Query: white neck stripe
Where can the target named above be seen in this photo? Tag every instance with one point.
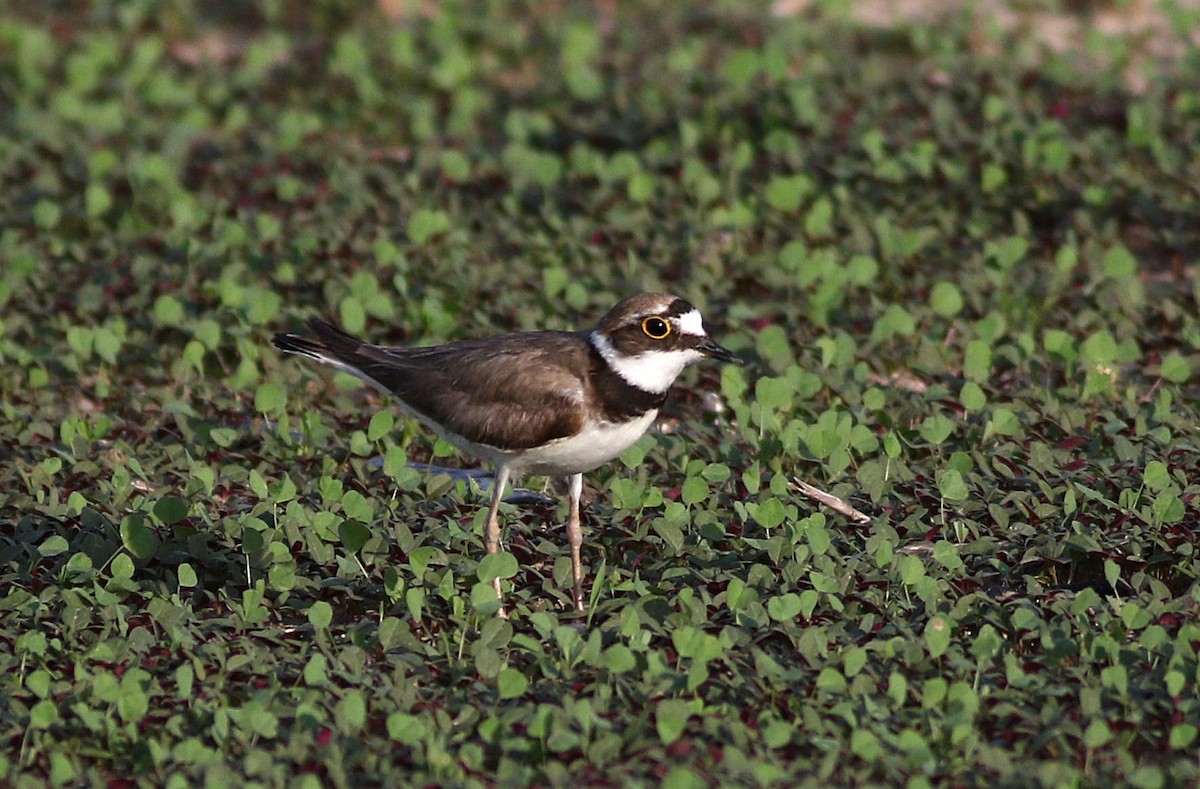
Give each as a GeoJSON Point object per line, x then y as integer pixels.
{"type": "Point", "coordinates": [650, 371]}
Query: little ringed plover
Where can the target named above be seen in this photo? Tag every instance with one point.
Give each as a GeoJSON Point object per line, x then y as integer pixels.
{"type": "Point", "coordinates": [549, 403]}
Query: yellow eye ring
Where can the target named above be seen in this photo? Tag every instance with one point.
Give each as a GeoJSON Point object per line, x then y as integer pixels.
{"type": "Point", "coordinates": [656, 328]}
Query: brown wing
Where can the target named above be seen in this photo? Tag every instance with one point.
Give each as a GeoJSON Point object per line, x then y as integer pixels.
{"type": "Point", "coordinates": [514, 391]}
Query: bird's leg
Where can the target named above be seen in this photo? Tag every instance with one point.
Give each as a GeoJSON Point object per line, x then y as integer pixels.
{"type": "Point", "coordinates": [491, 529]}
{"type": "Point", "coordinates": [575, 538]}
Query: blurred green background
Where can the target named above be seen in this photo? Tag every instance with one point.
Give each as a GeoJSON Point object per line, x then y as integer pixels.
{"type": "Point", "coordinates": [958, 245]}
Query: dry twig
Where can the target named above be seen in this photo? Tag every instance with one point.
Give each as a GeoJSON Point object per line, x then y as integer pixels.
{"type": "Point", "coordinates": [829, 500]}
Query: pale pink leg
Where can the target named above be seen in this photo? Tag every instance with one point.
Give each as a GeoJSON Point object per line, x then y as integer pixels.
{"type": "Point", "coordinates": [575, 538]}
{"type": "Point", "coordinates": [491, 529]}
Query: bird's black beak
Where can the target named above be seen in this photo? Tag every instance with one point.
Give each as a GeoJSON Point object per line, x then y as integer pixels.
{"type": "Point", "coordinates": [718, 352]}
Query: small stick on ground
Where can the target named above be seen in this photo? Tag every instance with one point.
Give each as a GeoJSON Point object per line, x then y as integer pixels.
{"type": "Point", "coordinates": [829, 500]}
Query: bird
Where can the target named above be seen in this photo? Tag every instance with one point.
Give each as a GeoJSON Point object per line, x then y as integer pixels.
{"type": "Point", "coordinates": [546, 403]}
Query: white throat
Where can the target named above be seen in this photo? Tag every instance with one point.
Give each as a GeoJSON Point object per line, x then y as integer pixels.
{"type": "Point", "coordinates": [650, 371]}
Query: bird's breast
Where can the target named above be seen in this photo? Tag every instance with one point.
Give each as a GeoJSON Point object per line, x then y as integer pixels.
{"type": "Point", "coordinates": [597, 443]}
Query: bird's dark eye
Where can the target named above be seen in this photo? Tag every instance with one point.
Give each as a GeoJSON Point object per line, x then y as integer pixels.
{"type": "Point", "coordinates": [656, 328]}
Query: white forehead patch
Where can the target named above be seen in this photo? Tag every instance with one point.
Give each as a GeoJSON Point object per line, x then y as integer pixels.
{"type": "Point", "coordinates": [690, 322]}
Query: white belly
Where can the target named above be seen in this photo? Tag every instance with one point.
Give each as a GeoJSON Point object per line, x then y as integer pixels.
{"type": "Point", "coordinates": [596, 444]}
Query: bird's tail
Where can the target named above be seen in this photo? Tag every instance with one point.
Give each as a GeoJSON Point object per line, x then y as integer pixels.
{"type": "Point", "coordinates": [329, 345]}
